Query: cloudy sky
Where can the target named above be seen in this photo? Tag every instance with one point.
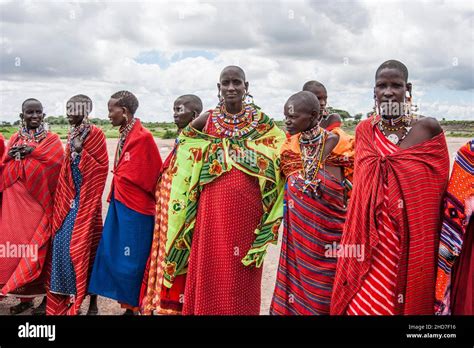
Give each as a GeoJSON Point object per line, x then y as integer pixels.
{"type": "Point", "coordinates": [159, 50]}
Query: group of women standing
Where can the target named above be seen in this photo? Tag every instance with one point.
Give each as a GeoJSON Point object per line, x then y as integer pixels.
{"type": "Point", "coordinates": [189, 235]}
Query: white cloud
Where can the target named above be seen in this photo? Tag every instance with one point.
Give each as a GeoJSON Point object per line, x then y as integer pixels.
{"type": "Point", "coordinates": [91, 48]}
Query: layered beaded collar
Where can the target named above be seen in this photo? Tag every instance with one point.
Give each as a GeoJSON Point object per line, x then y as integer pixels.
{"type": "Point", "coordinates": [311, 136]}
{"type": "Point", "coordinates": [236, 125]}
{"type": "Point", "coordinates": [33, 135]}
{"type": "Point", "coordinates": [74, 131]}
{"type": "Point", "coordinates": [124, 130]}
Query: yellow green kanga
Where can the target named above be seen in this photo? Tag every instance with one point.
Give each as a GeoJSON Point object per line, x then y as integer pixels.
{"type": "Point", "coordinates": [200, 159]}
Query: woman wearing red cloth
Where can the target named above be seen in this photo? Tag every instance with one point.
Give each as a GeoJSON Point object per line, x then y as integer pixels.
{"type": "Point", "coordinates": [77, 218]}
{"type": "Point", "coordinates": [128, 230]}
{"type": "Point", "coordinates": [400, 175]}
{"type": "Point", "coordinates": [30, 175]}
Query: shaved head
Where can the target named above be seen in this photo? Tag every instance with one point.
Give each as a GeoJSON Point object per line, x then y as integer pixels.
{"type": "Point", "coordinates": [235, 68]}
{"type": "Point", "coordinates": [393, 64]}
{"type": "Point", "coordinates": [304, 101]}
{"type": "Point", "coordinates": [79, 104]}
{"type": "Point", "coordinates": [29, 100]}
{"type": "Point", "coordinates": [313, 85]}
{"type": "Point", "coordinates": [193, 102]}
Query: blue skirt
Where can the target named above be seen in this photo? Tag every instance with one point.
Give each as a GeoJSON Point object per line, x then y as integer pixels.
{"type": "Point", "coordinates": [122, 254]}
{"type": "Point", "coordinates": [63, 276]}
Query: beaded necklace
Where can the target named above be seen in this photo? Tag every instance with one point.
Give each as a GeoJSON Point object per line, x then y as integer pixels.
{"type": "Point", "coordinates": [312, 144]}
{"type": "Point", "coordinates": [124, 131]}
{"type": "Point", "coordinates": [32, 135]}
{"type": "Point", "coordinates": [235, 125]}
{"type": "Point", "coordinates": [81, 131]}
{"type": "Point", "coordinates": [392, 121]}
{"type": "Point", "coordinates": [325, 114]}
{"type": "Point", "coordinates": [393, 138]}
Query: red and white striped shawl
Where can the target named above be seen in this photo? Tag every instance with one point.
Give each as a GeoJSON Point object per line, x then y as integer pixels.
{"type": "Point", "coordinates": [87, 230]}
{"type": "Point", "coordinates": [416, 178]}
{"type": "Point", "coordinates": [39, 171]}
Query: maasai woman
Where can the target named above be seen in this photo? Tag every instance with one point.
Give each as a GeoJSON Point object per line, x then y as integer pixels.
{"type": "Point", "coordinates": [156, 296]}
{"type": "Point", "coordinates": [128, 229]}
{"type": "Point", "coordinates": [225, 203]}
{"type": "Point", "coordinates": [455, 281]}
{"type": "Point", "coordinates": [329, 121]}
{"type": "Point", "coordinates": [77, 218]}
{"type": "Point", "coordinates": [30, 176]}
{"type": "Point", "coordinates": [313, 161]}
{"type": "Point", "coordinates": [400, 174]}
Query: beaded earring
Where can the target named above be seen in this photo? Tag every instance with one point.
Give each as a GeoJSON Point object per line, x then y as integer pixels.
{"type": "Point", "coordinates": [409, 109]}
{"type": "Point", "coordinates": [22, 124]}
{"type": "Point", "coordinates": [248, 99]}
{"type": "Point", "coordinates": [376, 110]}
{"type": "Point", "coordinates": [220, 98]}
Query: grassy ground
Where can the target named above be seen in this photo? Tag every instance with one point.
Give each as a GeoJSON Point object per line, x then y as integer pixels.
{"type": "Point", "coordinates": [110, 132]}
{"type": "Point", "coordinates": [463, 129]}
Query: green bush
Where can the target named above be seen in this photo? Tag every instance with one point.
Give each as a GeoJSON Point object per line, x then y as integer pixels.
{"type": "Point", "coordinates": [169, 134]}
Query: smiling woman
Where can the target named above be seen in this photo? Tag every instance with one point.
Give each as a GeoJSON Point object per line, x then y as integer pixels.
{"type": "Point", "coordinates": [29, 179]}
{"type": "Point", "coordinates": [402, 168]}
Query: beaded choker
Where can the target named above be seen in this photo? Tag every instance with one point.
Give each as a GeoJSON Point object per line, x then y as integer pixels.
{"type": "Point", "coordinates": [236, 125]}
{"type": "Point", "coordinates": [392, 121]}
{"type": "Point", "coordinates": [30, 135]}
{"type": "Point", "coordinates": [311, 136]}
{"type": "Point", "coordinates": [124, 132]}
{"type": "Point", "coordinates": [74, 131]}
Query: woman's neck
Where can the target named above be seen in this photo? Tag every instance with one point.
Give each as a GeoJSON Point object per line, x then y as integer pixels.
{"type": "Point", "coordinates": [233, 108]}
{"type": "Point", "coordinates": [392, 120]}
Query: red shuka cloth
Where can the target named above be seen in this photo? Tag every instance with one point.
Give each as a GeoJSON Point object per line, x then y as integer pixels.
{"type": "Point", "coordinates": [376, 295]}
{"type": "Point", "coordinates": [39, 172]}
{"type": "Point", "coordinates": [88, 224]}
{"type": "Point", "coordinates": [416, 178]}
{"type": "Point", "coordinates": [134, 182]}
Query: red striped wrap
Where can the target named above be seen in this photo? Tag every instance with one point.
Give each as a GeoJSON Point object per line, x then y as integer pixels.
{"type": "Point", "coordinates": [416, 178]}
{"type": "Point", "coordinates": [39, 171]}
{"type": "Point", "coordinates": [87, 230]}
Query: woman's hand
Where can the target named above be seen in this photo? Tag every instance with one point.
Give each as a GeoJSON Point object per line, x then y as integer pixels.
{"type": "Point", "coordinates": [20, 152]}
{"type": "Point", "coordinates": [77, 144]}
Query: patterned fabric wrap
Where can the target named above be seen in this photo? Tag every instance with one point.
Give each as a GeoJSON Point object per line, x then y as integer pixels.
{"type": "Point", "coordinates": [200, 159]}
{"type": "Point", "coordinates": [455, 221]}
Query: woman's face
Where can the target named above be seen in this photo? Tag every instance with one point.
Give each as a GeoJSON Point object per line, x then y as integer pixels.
{"type": "Point", "coordinates": [182, 115]}
{"type": "Point", "coordinates": [32, 114]}
{"type": "Point", "coordinates": [322, 95]}
{"type": "Point", "coordinates": [232, 86]}
{"type": "Point", "coordinates": [116, 113]}
{"type": "Point", "coordinates": [76, 111]}
{"type": "Point", "coordinates": [298, 120]}
{"type": "Point", "coordinates": [390, 89]}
